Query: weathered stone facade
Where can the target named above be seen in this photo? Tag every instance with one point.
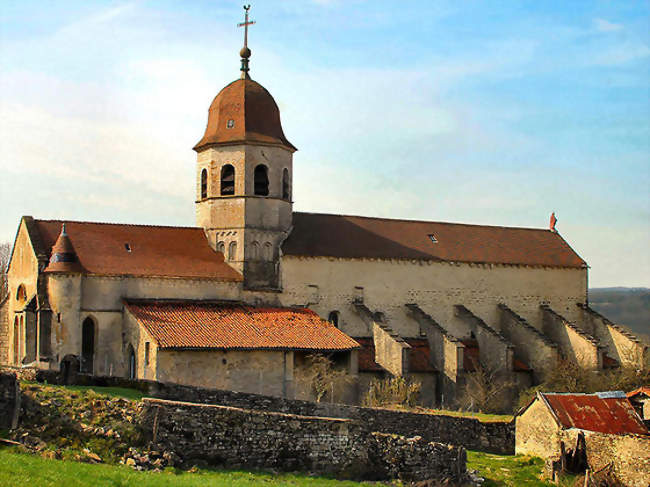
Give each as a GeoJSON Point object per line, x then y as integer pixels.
{"type": "Point", "coordinates": [627, 455]}
{"type": "Point", "coordinates": [514, 308]}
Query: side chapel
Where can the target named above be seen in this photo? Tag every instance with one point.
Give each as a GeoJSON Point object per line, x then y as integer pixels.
{"type": "Point", "coordinates": [241, 299]}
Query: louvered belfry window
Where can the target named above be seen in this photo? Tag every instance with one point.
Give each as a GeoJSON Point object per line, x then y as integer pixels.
{"type": "Point", "coordinates": [204, 183]}
{"type": "Point", "coordinates": [261, 180]}
{"type": "Point", "coordinates": [285, 185]}
{"type": "Point", "coordinates": [227, 180]}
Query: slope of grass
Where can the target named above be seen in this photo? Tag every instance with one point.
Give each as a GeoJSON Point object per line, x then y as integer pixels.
{"type": "Point", "coordinates": [24, 469]}
{"type": "Point", "coordinates": [510, 471]}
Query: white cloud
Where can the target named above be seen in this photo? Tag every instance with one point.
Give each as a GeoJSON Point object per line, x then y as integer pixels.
{"type": "Point", "coordinates": [603, 25]}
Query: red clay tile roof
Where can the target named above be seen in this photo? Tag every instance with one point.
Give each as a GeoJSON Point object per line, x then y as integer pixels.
{"type": "Point", "coordinates": [361, 237]}
{"type": "Point", "coordinates": [154, 251]}
{"type": "Point", "coordinates": [210, 325]}
{"type": "Point", "coordinates": [419, 358]}
{"type": "Point", "coordinates": [596, 412]}
{"type": "Point", "coordinates": [641, 390]}
{"type": "Point", "coordinates": [244, 111]}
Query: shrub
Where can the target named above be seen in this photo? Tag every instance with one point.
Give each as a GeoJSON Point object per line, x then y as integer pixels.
{"type": "Point", "coordinates": [392, 391]}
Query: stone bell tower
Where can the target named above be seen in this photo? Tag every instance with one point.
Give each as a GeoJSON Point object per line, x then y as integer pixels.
{"type": "Point", "coordinates": [244, 178]}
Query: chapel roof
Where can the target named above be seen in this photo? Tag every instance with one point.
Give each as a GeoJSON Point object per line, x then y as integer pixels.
{"type": "Point", "coordinates": [604, 412]}
{"type": "Point", "coordinates": [217, 325]}
{"type": "Point", "coordinates": [243, 112]}
{"type": "Point", "coordinates": [137, 250]}
{"type": "Point", "coordinates": [324, 235]}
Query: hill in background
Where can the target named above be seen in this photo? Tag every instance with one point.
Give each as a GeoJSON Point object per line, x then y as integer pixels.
{"type": "Point", "coordinates": [629, 307]}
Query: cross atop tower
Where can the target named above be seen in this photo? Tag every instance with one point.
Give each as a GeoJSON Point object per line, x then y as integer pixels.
{"type": "Point", "coordinates": [245, 52]}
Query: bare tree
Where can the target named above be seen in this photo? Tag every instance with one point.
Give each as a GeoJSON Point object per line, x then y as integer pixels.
{"type": "Point", "coordinates": [5, 253]}
{"type": "Point", "coordinates": [486, 390]}
{"type": "Point", "coordinates": [322, 376]}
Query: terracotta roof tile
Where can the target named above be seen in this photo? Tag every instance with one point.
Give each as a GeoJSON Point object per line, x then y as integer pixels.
{"type": "Point", "coordinates": [243, 112]}
{"type": "Point", "coordinates": [361, 237]}
{"type": "Point", "coordinates": [641, 390]}
{"type": "Point", "coordinates": [596, 412]}
{"type": "Point", "coordinates": [210, 325]}
{"type": "Point", "coordinates": [139, 250]}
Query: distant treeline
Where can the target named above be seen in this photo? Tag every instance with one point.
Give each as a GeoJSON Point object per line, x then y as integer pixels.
{"type": "Point", "coordinates": [624, 306]}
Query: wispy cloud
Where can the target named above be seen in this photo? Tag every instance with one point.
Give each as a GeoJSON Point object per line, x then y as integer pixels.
{"type": "Point", "coordinates": [603, 25]}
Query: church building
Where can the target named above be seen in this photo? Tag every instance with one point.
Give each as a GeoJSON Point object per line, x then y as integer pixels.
{"type": "Point", "coordinates": [240, 300]}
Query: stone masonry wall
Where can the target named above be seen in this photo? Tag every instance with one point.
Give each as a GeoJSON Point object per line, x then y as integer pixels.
{"type": "Point", "coordinates": [575, 344]}
{"type": "Point", "coordinates": [4, 330]}
{"type": "Point", "coordinates": [495, 437]}
{"type": "Point", "coordinates": [241, 438]}
{"type": "Point", "coordinates": [9, 400]}
{"type": "Point", "coordinates": [532, 346]}
{"type": "Point", "coordinates": [628, 455]}
{"type": "Point", "coordinates": [621, 345]}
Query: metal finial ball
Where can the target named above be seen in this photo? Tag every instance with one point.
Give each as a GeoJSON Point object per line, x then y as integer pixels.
{"type": "Point", "coordinates": [245, 52]}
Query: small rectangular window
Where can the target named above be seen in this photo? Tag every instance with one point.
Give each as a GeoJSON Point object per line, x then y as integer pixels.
{"type": "Point", "coordinates": [433, 238]}
{"type": "Point", "coordinates": [146, 353]}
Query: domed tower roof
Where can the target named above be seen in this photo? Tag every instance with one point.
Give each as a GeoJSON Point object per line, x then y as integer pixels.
{"type": "Point", "coordinates": [244, 112]}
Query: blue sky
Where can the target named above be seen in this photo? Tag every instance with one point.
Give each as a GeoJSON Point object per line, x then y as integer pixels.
{"type": "Point", "coordinates": [477, 112]}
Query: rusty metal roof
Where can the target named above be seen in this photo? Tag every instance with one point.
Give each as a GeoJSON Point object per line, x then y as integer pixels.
{"type": "Point", "coordinates": [602, 412]}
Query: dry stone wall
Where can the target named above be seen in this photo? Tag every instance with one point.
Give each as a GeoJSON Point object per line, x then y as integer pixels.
{"type": "Point", "coordinates": [9, 400]}
{"type": "Point", "coordinates": [241, 438]}
{"type": "Point", "coordinates": [470, 433]}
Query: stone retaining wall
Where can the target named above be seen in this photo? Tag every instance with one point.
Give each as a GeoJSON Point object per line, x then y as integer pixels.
{"type": "Point", "coordinates": [9, 400]}
{"type": "Point", "coordinates": [470, 433]}
{"type": "Point", "coordinates": [242, 438]}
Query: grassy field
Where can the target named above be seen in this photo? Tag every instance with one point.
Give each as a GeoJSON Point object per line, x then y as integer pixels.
{"type": "Point", "coordinates": [26, 469]}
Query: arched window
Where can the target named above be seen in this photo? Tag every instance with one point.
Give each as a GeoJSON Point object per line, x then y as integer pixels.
{"type": "Point", "coordinates": [232, 250]}
{"type": "Point", "coordinates": [261, 180]}
{"type": "Point", "coordinates": [255, 251]}
{"type": "Point", "coordinates": [87, 345]}
{"type": "Point", "coordinates": [204, 183]}
{"type": "Point", "coordinates": [16, 341]}
{"type": "Point", "coordinates": [130, 356]}
{"type": "Point", "coordinates": [286, 193]}
{"type": "Point", "coordinates": [221, 247]}
{"type": "Point", "coordinates": [334, 318]}
{"type": "Point", "coordinates": [227, 180]}
{"type": "Point", "coordinates": [21, 294]}
{"type": "Point", "coordinates": [268, 251]}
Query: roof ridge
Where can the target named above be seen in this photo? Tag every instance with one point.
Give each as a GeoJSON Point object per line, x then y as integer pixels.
{"type": "Point", "coordinates": [406, 220]}
{"type": "Point", "coordinates": [86, 222]}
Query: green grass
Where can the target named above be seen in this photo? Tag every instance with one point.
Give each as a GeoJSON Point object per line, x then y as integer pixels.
{"type": "Point", "coordinates": [25, 469]}
{"type": "Point", "coordinates": [123, 392]}
{"type": "Point", "coordinates": [510, 471]}
{"type": "Point", "coordinates": [485, 418]}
